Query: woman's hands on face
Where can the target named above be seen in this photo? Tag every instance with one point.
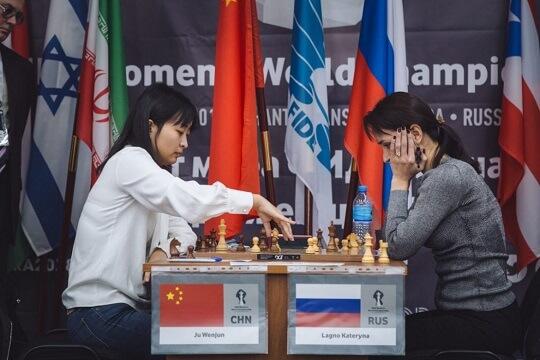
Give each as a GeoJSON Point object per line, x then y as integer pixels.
{"type": "Point", "coordinates": [268, 212]}
{"type": "Point", "coordinates": [406, 159]}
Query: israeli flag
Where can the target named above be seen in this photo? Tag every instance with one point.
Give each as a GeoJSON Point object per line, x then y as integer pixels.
{"type": "Point", "coordinates": [43, 203]}
{"type": "Point", "coordinates": [307, 139]}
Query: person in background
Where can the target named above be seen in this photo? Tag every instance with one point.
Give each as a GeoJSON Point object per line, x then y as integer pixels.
{"type": "Point", "coordinates": [456, 215]}
{"type": "Point", "coordinates": [132, 213]}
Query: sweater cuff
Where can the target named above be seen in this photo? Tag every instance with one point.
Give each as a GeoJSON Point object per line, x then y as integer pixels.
{"type": "Point", "coordinates": [239, 202]}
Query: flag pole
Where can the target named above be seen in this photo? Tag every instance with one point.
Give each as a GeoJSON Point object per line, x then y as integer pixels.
{"type": "Point", "coordinates": [261, 109]}
{"type": "Point", "coordinates": [265, 140]}
{"type": "Point", "coordinates": [308, 211]}
{"type": "Point", "coordinates": [64, 239]}
{"type": "Point", "coordinates": [353, 184]}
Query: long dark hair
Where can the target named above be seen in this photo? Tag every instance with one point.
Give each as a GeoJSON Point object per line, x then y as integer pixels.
{"type": "Point", "coordinates": [161, 104]}
{"type": "Point", "coordinates": [403, 109]}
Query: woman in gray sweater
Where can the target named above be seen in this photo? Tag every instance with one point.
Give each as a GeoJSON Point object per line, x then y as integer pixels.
{"type": "Point", "coordinates": [455, 214]}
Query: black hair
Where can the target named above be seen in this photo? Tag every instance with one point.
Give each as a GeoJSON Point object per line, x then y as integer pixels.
{"type": "Point", "coordinates": [402, 109]}
{"type": "Point", "coordinates": [161, 104]}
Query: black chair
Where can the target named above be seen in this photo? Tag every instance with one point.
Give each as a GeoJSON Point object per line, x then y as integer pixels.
{"type": "Point", "coordinates": [6, 334]}
{"type": "Point", "coordinates": [530, 320]}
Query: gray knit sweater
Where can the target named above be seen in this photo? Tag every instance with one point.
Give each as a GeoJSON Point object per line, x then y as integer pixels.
{"type": "Point", "coordinates": [456, 215]}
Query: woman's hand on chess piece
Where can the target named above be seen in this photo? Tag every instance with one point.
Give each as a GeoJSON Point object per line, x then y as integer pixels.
{"type": "Point", "coordinates": [268, 212]}
{"type": "Point", "coordinates": [157, 256]}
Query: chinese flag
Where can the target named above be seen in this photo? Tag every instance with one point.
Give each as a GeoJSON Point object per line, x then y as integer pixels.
{"type": "Point", "coordinates": [191, 305]}
{"type": "Point", "coordinates": [233, 143]}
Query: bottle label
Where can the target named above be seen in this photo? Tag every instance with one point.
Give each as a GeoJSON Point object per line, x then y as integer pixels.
{"type": "Point", "coordinates": [362, 213]}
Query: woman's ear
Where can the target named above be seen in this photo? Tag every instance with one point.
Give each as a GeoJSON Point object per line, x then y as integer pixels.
{"type": "Point", "coordinates": [417, 133]}
{"type": "Point", "coordinates": [151, 126]}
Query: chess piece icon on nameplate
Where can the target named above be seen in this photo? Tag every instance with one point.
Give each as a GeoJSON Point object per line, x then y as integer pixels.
{"type": "Point", "coordinates": [174, 248]}
{"type": "Point", "coordinates": [255, 246]}
{"type": "Point", "coordinates": [345, 247]}
{"type": "Point", "coordinates": [222, 244]}
{"type": "Point", "coordinates": [311, 245]}
{"type": "Point", "coordinates": [368, 255]}
{"type": "Point", "coordinates": [190, 252]}
{"type": "Point", "coordinates": [331, 238]}
{"type": "Point", "coordinates": [383, 252]}
{"type": "Point", "coordinates": [241, 247]}
{"type": "Point", "coordinates": [275, 244]}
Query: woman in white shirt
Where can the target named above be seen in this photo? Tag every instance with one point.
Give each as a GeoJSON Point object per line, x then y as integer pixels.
{"type": "Point", "coordinates": [132, 212]}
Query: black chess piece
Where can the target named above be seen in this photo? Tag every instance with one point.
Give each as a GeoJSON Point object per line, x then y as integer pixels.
{"type": "Point", "coordinates": [263, 243]}
{"type": "Point", "coordinates": [190, 254]}
{"type": "Point", "coordinates": [241, 247]}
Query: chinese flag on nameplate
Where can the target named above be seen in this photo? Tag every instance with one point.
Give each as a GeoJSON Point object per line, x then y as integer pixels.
{"type": "Point", "coordinates": [197, 305]}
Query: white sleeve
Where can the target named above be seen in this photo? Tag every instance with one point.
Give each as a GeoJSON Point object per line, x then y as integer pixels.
{"type": "Point", "coordinates": [158, 190]}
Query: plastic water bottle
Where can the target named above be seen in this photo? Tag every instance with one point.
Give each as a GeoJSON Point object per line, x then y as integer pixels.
{"type": "Point", "coordinates": [361, 213]}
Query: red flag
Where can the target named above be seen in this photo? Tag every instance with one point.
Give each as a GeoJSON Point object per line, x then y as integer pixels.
{"type": "Point", "coordinates": [19, 37]}
{"type": "Point", "coordinates": [191, 305]}
{"type": "Point", "coordinates": [519, 182]}
{"type": "Point", "coordinates": [233, 145]}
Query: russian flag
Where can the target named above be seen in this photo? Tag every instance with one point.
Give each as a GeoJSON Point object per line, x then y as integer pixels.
{"type": "Point", "coordinates": [334, 305]}
{"type": "Point", "coordinates": [379, 71]}
{"type": "Point", "coordinates": [519, 182]}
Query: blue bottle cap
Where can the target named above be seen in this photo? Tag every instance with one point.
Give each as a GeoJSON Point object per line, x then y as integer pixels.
{"type": "Point", "coordinates": [362, 188]}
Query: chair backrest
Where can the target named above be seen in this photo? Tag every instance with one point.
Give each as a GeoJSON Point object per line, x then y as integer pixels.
{"type": "Point", "coordinates": [530, 317]}
{"type": "Point", "coordinates": [59, 352]}
{"type": "Point", "coordinates": [6, 334]}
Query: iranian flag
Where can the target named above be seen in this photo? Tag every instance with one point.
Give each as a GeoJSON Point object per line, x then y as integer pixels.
{"type": "Point", "coordinates": [103, 103]}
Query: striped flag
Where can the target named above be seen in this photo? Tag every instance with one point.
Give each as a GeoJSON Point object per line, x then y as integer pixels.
{"type": "Point", "coordinates": [103, 101]}
{"type": "Point", "coordinates": [379, 71]}
{"type": "Point", "coordinates": [307, 138]}
{"type": "Point", "coordinates": [19, 42]}
{"type": "Point", "coordinates": [519, 188]}
{"type": "Point", "coordinates": [43, 203]}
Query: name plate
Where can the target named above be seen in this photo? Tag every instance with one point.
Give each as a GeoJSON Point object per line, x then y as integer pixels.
{"type": "Point", "coordinates": [278, 257]}
{"type": "Point", "coordinates": [209, 314]}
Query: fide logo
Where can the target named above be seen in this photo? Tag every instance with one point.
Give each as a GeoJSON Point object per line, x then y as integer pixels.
{"type": "Point", "coordinates": [378, 296]}
{"type": "Point", "coordinates": [241, 296]}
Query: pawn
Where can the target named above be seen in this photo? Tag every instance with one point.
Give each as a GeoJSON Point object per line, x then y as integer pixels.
{"type": "Point", "coordinates": [368, 255]}
{"type": "Point", "coordinates": [255, 247]}
{"type": "Point", "coordinates": [353, 241]}
{"type": "Point", "coordinates": [198, 243]}
{"type": "Point", "coordinates": [310, 249]}
{"type": "Point", "coordinates": [190, 254]}
{"type": "Point", "coordinates": [345, 246]}
{"type": "Point", "coordinates": [241, 247]}
{"type": "Point", "coordinates": [383, 251]}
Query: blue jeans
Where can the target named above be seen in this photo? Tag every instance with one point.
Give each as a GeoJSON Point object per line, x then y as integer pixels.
{"type": "Point", "coordinates": [115, 330]}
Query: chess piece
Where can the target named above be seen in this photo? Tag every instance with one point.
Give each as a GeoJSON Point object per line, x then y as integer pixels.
{"type": "Point", "coordinates": [241, 247]}
{"type": "Point", "coordinates": [311, 249]}
{"type": "Point", "coordinates": [315, 244]}
{"type": "Point", "coordinates": [353, 241]}
{"type": "Point", "coordinates": [345, 247]}
{"type": "Point", "coordinates": [255, 247]}
{"type": "Point", "coordinates": [383, 251]}
{"type": "Point", "coordinates": [174, 248]}
{"type": "Point", "coordinates": [198, 243]}
{"type": "Point", "coordinates": [331, 238]}
{"type": "Point", "coordinates": [368, 255]}
{"type": "Point", "coordinates": [190, 254]}
{"type": "Point", "coordinates": [320, 239]}
{"type": "Point", "coordinates": [213, 239]}
{"type": "Point", "coordinates": [275, 244]}
{"type": "Point", "coordinates": [262, 240]}
{"type": "Point", "coordinates": [222, 244]}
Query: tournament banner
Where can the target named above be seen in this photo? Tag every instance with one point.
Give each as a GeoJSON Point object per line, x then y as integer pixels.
{"type": "Point", "coordinates": [209, 314]}
{"type": "Point", "coordinates": [346, 315]}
